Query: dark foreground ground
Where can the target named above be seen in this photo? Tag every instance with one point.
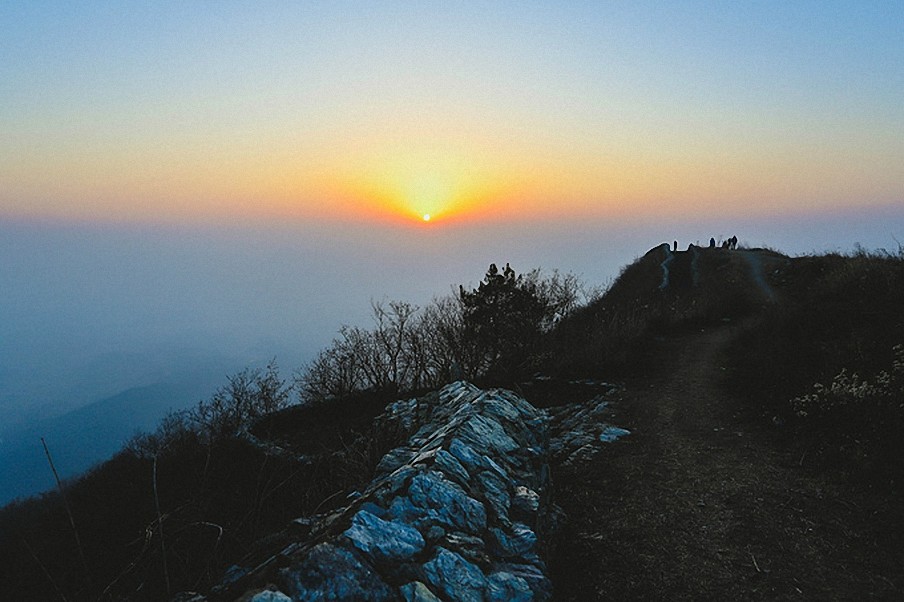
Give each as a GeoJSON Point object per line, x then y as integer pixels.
{"type": "Point", "coordinates": [706, 502]}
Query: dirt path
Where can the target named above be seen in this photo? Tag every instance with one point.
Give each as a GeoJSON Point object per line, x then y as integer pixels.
{"type": "Point", "coordinates": [701, 504]}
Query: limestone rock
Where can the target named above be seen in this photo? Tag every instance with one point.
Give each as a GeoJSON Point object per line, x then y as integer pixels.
{"type": "Point", "coordinates": [612, 433]}
{"type": "Point", "coordinates": [506, 587]}
{"type": "Point", "coordinates": [417, 592]}
{"type": "Point", "coordinates": [455, 577]}
{"type": "Point", "coordinates": [445, 501]}
{"type": "Point", "coordinates": [330, 572]}
{"type": "Point", "coordinates": [270, 596]}
{"type": "Point", "coordinates": [384, 540]}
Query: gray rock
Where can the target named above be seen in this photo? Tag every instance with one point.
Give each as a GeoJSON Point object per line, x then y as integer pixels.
{"type": "Point", "coordinates": [517, 543]}
{"type": "Point", "coordinates": [373, 509]}
{"type": "Point", "coordinates": [455, 577]}
{"type": "Point", "coordinates": [384, 540]}
{"type": "Point", "coordinates": [496, 467]}
{"type": "Point", "coordinates": [611, 433]}
{"type": "Point", "coordinates": [387, 488]}
{"type": "Point", "coordinates": [422, 519]}
{"type": "Point", "coordinates": [469, 458]}
{"type": "Point", "coordinates": [435, 533]}
{"type": "Point", "coordinates": [448, 502]}
{"type": "Point", "coordinates": [534, 575]}
{"type": "Point", "coordinates": [270, 596]}
{"type": "Point", "coordinates": [462, 493]}
{"type": "Point", "coordinates": [506, 587]}
{"type": "Point", "coordinates": [474, 461]}
{"type": "Point", "coordinates": [394, 459]}
{"type": "Point", "coordinates": [417, 592]}
{"type": "Point", "coordinates": [504, 410]}
{"type": "Point", "coordinates": [470, 547]}
{"type": "Point", "coordinates": [488, 433]}
{"type": "Point", "coordinates": [450, 465]}
{"type": "Point", "coordinates": [330, 572]}
{"type": "Point", "coordinates": [495, 490]}
{"type": "Point", "coordinates": [525, 500]}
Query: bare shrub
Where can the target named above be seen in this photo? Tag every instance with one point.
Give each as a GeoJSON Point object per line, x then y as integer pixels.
{"type": "Point", "coordinates": [247, 396]}
{"type": "Point", "coordinates": [849, 391]}
{"type": "Point", "coordinates": [463, 335]}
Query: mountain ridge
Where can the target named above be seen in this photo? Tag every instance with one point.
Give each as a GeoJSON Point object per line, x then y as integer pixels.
{"type": "Point", "coordinates": [754, 357]}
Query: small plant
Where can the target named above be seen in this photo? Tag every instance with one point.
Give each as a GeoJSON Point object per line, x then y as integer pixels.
{"type": "Point", "coordinates": [854, 423]}
{"type": "Point", "coordinates": [849, 391]}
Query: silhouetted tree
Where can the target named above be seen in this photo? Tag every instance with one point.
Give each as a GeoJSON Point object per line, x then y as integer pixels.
{"type": "Point", "coordinates": [410, 348]}
{"type": "Point", "coordinates": [503, 318]}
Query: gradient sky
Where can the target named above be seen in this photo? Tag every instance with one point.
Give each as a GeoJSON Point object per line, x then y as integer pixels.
{"type": "Point", "coordinates": [243, 178]}
{"type": "Point", "coordinates": [191, 187]}
{"type": "Point", "coordinates": [470, 111]}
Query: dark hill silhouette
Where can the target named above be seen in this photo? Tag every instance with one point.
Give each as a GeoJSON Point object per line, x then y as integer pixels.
{"type": "Point", "coordinates": [723, 489]}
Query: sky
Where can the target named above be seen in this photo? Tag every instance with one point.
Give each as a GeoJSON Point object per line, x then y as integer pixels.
{"type": "Point", "coordinates": [245, 177]}
{"type": "Point", "coordinates": [380, 112]}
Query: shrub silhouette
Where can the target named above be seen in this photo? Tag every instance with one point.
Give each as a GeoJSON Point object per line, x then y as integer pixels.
{"type": "Point", "coordinates": [488, 334]}
{"type": "Point", "coordinates": [234, 407]}
{"type": "Point", "coordinates": [503, 319]}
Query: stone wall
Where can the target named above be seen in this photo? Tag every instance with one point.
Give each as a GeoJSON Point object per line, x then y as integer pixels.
{"type": "Point", "coordinates": [460, 513]}
{"type": "Point", "coordinates": [457, 514]}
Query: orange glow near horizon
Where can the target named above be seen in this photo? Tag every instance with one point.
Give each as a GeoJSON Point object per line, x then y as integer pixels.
{"type": "Point", "coordinates": [468, 115]}
{"type": "Point", "coordinates": [425, 185]}
{"type": "Point", "coordinates": [363, 177]}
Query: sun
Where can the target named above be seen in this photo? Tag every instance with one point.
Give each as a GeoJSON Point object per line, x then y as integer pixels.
{"type": "Point", "coordinates": [426, 217]}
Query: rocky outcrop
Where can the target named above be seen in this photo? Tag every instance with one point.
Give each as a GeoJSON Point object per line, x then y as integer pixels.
{"type": "Point", "coordinates": [460, 513]}
{"type": "Point", "coordinates": [578, 430]}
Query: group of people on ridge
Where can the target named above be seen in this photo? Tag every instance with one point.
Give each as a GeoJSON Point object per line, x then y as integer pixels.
{"type": "Point", "coordinates": [728, 243]}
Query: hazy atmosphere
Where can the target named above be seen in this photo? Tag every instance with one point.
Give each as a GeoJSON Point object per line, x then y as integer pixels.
{"type": "Point", "coordinates": [189, 189]}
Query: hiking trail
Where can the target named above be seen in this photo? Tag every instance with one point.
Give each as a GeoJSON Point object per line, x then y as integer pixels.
{"type": "Point", "coordinates": [701, 502]}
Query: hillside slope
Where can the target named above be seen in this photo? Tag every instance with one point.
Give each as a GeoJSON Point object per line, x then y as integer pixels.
{"type": "Point", "coordinates": [722, 490]}
{"type": "Point", "coordinates": [703, 501]}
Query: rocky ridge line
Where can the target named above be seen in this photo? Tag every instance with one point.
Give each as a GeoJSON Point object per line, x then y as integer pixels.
{"type": "Point", "coordinates": [459, 513]}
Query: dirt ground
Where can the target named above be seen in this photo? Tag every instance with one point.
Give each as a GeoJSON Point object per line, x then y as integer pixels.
{"type": "Point", "coordinates": [704, 501]}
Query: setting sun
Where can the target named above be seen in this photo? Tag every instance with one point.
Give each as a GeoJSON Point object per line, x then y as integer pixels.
{"type": "Point", "coordinates": [420, 182]}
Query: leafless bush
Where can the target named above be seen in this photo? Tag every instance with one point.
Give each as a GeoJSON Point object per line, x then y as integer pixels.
{"type": "Point", "coordinates": [850, 391]}
{"type": "Point", "coordinates": [461, 335]}
{"type": "Point", "coordinates": [248, 395]}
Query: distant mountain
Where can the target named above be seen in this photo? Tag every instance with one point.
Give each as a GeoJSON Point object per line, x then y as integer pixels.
{"type": "Point", "coordinates": [91, 434]}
